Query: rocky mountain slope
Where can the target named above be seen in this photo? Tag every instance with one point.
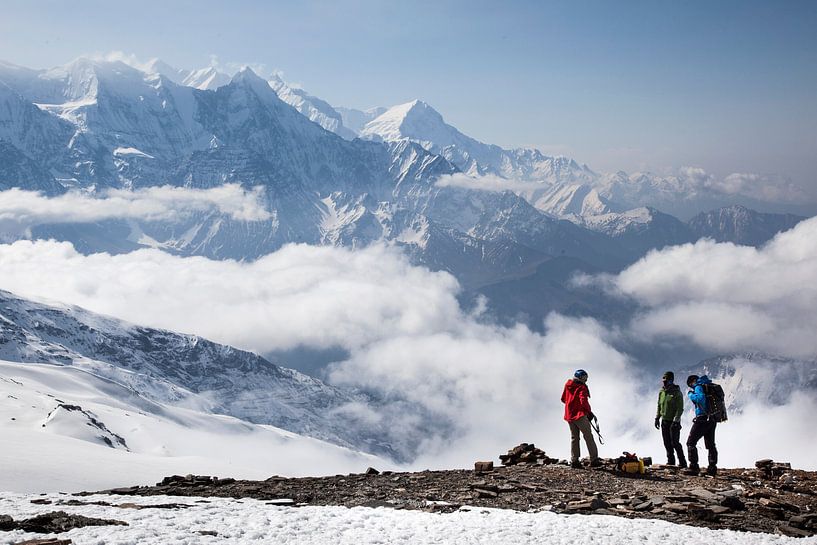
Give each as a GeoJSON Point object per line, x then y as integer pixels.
{"type": "Point", "coordinates": [741, 225]}
{"type": "Point", "coordinates": [751, 378]}
{"type": "Point", "coordinates": [184, 370]}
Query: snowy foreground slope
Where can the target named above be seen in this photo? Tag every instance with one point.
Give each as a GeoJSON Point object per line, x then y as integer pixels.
{"type": "Point", "coordinates": [66, 429]}
{"type": "Point", "coordinates": [251, 521]}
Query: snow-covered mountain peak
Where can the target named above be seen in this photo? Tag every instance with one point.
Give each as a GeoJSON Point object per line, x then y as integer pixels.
{"type": "Point", "coordinates": [82, 79]}
{"type": "Point", "coordinates": [208, 78]}
{"type": "Point", "coordinates": [203, 78]}
{"type": "Point", "coordinates": [159, 66]}
{"type": "Point", "coordinates": [245, 73]}
{"type": "Point", "coordinates": [316, 110]}
{"type": "Point", "coordinates": [415, 120]}
{"type": "Point", "coordinates": [248, 78]}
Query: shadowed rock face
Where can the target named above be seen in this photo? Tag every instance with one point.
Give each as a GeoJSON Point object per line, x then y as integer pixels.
{"type": "Point", "coordinates": [770, 498]}
{"type": "Point", "coordinates": [741, 225]}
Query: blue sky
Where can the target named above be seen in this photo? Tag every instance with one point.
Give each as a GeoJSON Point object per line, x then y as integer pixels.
{"type": "Point", "coordinates": [730, 86]}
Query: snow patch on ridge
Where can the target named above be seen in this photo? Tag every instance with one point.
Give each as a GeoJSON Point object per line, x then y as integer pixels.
{"type": "Point", "coordinates": [120, 152]}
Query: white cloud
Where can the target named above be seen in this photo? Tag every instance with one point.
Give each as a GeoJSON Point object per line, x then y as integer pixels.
{"type": "Point", "coordinates": [765, 188]}
{"type": "Point", "coordinates": [301, 295]}
{"type": "Point", "coordinates": [481, 388]}
{"type": "Point", "coordinates": [488, 386]}
{"type": "Point", "coordinates": [487, 182]}
{"type": "Point", "coordinates": [731, 298]}
{"type": "Point", "coordinates": [770, 188]}
{"type": "Point", "coordinates": [127, 58]}
{"type": "Point", "coordinates": [21, 210]}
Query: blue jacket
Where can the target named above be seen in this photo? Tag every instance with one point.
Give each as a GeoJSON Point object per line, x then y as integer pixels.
{"type": "Point", "coordinates": [697, 396]}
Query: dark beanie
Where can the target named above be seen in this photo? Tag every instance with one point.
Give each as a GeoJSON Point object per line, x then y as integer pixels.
{"type": "Point", "coordinates": [692, 379]}
{"type": "Point", "coordinates": [670, 376]}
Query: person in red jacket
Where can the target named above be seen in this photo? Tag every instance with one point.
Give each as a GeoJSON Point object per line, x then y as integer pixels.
{"type": "Point", "coordinates": [576, 397]}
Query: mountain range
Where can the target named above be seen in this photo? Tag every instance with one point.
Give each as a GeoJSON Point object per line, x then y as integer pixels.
{"type": "Point", "coordinates": [511, 224]}
{"type": "Point", "coordinates": [331, 176]}
{"type": "Point", "coordinates": [507, 223]}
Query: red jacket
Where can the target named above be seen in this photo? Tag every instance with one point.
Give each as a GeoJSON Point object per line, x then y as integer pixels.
{"type": "Point", "coordinates": [576, 397]}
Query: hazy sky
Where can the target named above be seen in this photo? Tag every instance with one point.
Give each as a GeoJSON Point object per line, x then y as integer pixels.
{"type": "Point", "coordinates": [730, 86]}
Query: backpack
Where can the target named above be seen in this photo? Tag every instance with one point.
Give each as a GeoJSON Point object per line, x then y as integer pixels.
{"type": "Point", "coordinates": [715, 402]}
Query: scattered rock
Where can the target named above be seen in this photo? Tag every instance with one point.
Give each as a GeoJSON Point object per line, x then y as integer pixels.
{"type": "Point", "coordinates": [6, 523]}
{"type": "Point", "coordinates": [703, 494]}
{"type": "Point", "coordinates": [47, 541]}
{"type": "Point", "coordinates": [372, 471]}
{"type": "Point", "coordinates": [702, 513]}
{"type": "Point", "coordinates": [791, 531]}
{"type": "Point", "coordinates": [734, 503]}
{"type": "Point", "coordinates": [129, 505]}
{"type": "Point", "coordinates": [483, 467]}
{"type": "Point", "coordinates": [207, 533]}
{"type": "Point", "coordinates": [526, 453]}
{"type": "Point", "coordinates": [771, 512]}
{"type": "Point", "coordinates": [483, 493]}
{"type": "Point", "coordinates": [777, 504]}
{"type": "Point", "coordinates": [657, 501]}
{"type": "Point", "coordinates": [592, 505]}
{"type": "Point", "coordinates": [769, 469]}
{"type": "Point", "coordinates": [55, 522]}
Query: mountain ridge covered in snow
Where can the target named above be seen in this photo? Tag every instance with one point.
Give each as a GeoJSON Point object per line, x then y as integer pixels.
{"type": "Point", "coordinates": [184, 370]}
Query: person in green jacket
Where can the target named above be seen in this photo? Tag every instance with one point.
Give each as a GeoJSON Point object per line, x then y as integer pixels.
{"type": "Point", "coordinates": [668, 418]}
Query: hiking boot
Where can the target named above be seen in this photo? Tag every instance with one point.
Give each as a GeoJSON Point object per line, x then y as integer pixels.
{"type": "Point", "coordinates": [576, 465]}
{"type": "Point", "coordinates": [693, 471]}
{"type": "Point", "coordinates": [712, 471]}
{"type": "Point", "coordinates": [596, 463]}
{"type": "Point", "coordinates": [683, 464]}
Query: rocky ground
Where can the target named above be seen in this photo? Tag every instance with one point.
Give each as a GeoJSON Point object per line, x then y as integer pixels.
{"type": "Point", "coordinates": [769, 498]}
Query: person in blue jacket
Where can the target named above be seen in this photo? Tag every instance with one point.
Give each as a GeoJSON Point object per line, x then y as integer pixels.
{"type": "Point", "coordinates": [702, 426]}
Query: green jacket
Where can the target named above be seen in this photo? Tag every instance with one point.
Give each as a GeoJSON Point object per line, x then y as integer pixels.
{"type": "Point", "coordinates": [670, 403]}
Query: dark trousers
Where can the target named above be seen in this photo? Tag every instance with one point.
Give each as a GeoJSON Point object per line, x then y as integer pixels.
{"type": "Point", "coordinates": [702, 427]}
{"type": "Point", "coordinates": [672, 442]}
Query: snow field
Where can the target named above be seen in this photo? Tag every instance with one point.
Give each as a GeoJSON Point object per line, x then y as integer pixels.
{"type": "Point", "coordinates": [251, 521]}
{"type": "Point", "coordinates": [67, 455]}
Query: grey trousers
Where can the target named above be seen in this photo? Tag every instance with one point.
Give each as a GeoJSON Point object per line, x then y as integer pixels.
{"type": "Point", "coordinates": [582, 425]}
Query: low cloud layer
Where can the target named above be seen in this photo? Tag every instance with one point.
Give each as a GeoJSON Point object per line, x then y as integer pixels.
{"type": "Point", "coordinates": [726, 297]}
{"type": "Point", "coordinates": [482, 388]}
{"type": "Point", "coordinates": [320, 297]}
{"type": "Point", "coordinates": [20, 210]}
{"type": "Point", "coordinates": [487, 183]}
{"type": "Point", "coordinates": [764, 188]}
{"type": "Point", "coordinates": [755, 186]}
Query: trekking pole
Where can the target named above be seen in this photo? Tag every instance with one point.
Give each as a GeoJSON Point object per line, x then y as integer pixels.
{"type": "Point", "coordinates": [596, 428]}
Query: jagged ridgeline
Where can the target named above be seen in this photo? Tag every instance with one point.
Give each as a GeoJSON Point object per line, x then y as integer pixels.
{"type": "Point", "coordinates": [337, 176]}
{"type": "Point", "coordinates": [165, 368]}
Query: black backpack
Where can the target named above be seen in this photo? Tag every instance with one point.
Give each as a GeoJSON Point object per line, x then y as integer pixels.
{"type": "Point", "coordinates": [715, 402]}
